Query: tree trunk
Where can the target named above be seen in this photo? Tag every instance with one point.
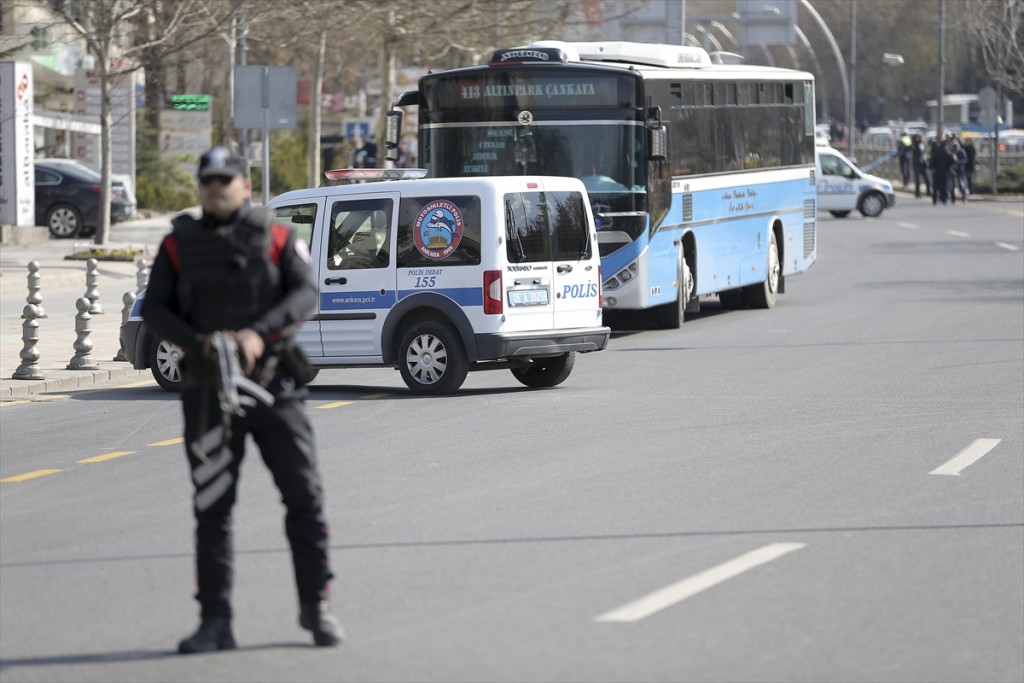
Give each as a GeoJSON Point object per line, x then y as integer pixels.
{"type": "Point", "coordinates": [106, 154]}
{"type": "Point", "coordinates": [313, 144]}
{"type": "Point", "coordinates": [387, 93]}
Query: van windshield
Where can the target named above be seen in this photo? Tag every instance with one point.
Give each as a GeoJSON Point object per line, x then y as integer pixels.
{"type": "Point", "coordinates": [546, 226]}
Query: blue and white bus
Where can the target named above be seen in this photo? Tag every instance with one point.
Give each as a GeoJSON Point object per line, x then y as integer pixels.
{"type": "Point", "coordinates": [701, 175]}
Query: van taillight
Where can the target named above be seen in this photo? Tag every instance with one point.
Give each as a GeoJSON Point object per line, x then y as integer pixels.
{"type": "Point", "coordinates": [600, 289]}
{"type": "Point", "coordinates": [492, 292]}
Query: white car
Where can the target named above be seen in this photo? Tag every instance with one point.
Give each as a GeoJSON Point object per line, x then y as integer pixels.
{"type": "Point", "coordinates": [842, 187]}
{"type": "Point", "coordinates": [437, 277]}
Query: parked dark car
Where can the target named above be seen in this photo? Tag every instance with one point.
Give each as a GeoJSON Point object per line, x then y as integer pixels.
{"type": "Point", "coordinates": [68, 198]}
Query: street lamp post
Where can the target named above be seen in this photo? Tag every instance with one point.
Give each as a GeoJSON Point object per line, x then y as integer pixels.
{"type": "Point", "coordinates": [893, 60]}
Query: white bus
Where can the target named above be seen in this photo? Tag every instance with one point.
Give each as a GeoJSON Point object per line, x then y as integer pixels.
{"type": "Point", "coordinates": [701, 175]}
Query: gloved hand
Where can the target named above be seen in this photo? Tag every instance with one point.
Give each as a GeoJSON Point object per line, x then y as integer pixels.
{"type": "Point", "coordinates": [250, 348]}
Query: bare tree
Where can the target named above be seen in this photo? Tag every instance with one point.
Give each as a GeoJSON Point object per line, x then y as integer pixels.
{"type": "Point", "coordinates": [107, 26]}
{"type": "Point", "coordinates": [997, 26]}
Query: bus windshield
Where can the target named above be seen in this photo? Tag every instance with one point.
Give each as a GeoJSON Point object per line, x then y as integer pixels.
{"type": "Point", "coordinates": [607, 157]}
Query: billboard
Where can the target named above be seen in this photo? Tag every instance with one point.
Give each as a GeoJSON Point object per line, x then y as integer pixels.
{"type": "Point", "coordinates": [17, 153]}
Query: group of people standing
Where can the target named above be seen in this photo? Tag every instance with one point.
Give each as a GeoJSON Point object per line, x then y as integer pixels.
{"type": "Point", "coordinates": [945, 166]}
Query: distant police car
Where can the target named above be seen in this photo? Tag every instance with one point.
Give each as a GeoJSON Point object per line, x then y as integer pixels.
{"type": "Point", "coordinates": [436, 277]}
{"type": "Point", "coordinates": [842, 187]}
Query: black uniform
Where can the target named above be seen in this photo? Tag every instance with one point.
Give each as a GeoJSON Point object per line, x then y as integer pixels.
{"type": "Point", "coordinates": [246, 273]}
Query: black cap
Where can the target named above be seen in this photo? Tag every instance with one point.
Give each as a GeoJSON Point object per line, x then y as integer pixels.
{"type": "Point", "coordinates": [220, 161]}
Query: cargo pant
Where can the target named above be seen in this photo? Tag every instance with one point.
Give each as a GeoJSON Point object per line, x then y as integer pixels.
{"type": "Point", "coordinates": [285, 440]}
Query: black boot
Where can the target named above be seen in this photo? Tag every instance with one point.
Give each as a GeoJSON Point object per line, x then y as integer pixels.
{"type": "Point", "coordinates": [213, 634]}
{"type": "Point", "coordinates": [326, 628]}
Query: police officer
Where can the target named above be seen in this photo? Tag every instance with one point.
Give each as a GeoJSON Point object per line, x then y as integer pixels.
{"type": "Point", "coordinates": [234, 272]}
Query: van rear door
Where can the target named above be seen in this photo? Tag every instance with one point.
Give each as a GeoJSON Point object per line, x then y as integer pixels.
{"type": "Point", "coordinates": [551, 280]}
{"type": "Point", "coordinates": [577, 281]}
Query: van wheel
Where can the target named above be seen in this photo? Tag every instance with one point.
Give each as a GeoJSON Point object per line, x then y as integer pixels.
{"type": "Point", "coordinates": [871, 205]}
{"type": "Point", "coordinates": [546, 372]}
{"type": "Point", "coordinates": [433, 360]}
{"type": "Point", "coordinates": [165, 363]}
{"type": "Point", "coordinates": [840, 214]}
{"type": "Point", "coordinates": [764, 294]}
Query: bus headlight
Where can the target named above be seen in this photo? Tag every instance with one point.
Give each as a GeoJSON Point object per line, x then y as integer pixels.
{"type": "Point", "coordinates": [621, 277]}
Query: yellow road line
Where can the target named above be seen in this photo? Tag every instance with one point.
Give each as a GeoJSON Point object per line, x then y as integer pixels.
{"type": "Point", "coordinates": [133, 385]}
{"type": "Point", "coordinates": [336, 404]}
{"type": "Point", "coordinates": [28, 475]}
{"type": "Point", "coordinates": [168, 442]}
{"type": "Point", "coordinates": [36, 398]}
{"type": "Point", "coordinates": [380, 395]}
{"type": "Point", "coordinates": [106, 456]}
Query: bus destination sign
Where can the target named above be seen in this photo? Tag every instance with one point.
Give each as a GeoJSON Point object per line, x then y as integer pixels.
{"type": "Point", "coordinates": [531, 91]}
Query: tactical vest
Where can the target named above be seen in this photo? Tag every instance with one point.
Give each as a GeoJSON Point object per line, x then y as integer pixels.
{"type": "Point", "coordinates": [226, 278]}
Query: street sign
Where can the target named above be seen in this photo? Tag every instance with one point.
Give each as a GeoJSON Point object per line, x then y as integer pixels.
{"type": "Point", "coordinates": [265, 87]}
{"type": "Point", "coordinates": [987, 97]}
{"type": "Point", "coordinates": [988, 118]}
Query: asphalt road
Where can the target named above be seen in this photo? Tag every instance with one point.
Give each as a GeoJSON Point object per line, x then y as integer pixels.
{"type": "Point", "coordinates": [832, 490]}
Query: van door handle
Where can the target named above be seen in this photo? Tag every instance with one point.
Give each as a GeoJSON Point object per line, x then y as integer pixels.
{"type": "Point", "coordinates": [335, 281]}
{"type": "Point", "coordinates": [564, 268]}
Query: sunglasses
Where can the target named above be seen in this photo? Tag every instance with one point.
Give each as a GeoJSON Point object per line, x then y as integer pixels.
{"type": "Point", "coordinates": [219, 179]}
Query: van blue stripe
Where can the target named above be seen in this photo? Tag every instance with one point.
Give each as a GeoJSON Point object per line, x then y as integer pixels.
{"type": "Point", "coordinates": [347, 301]}
{"type": "Point", "coordinates": [370, 299]}
{"type": "Point", "coordinates": [463, 296]}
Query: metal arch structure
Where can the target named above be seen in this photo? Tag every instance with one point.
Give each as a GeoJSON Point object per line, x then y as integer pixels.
{"type": "Point", "coordinates": [814, 58]}
{"type": "Point", "coordinates": [839, 57]}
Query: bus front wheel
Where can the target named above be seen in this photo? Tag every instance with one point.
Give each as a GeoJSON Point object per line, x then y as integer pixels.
{"type": "Point", "coordinates": [764, 294]}
{"type": "Point", "coordinates": [670, 316]}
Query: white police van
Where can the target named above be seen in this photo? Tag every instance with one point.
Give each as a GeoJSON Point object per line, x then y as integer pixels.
{"type": "Point", "coordinates": [842, 187]}
{"type": "Point", "coordinates": [436, 277]}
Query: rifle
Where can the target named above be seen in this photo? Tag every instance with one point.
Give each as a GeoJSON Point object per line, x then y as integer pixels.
{"type": "Point", "coordinates": [231, 380]}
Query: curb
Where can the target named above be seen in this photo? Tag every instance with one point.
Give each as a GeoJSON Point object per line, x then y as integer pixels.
{"type": "Point", "coordinates": [66, 380]}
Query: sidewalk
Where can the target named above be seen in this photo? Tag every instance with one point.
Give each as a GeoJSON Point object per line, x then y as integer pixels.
{"type": "Point", "coordinates": [62, 283]}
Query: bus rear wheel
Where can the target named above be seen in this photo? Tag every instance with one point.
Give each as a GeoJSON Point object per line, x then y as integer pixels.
{"type": "Point", "coordinates": [764, 294]}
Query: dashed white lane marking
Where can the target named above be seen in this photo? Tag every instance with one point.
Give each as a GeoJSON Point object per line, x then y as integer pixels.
{"type": "Point", "coordinates": [957, 233]}
{"type": "Point", "coordinates": [1009, 247]}
{"type": "Point", "coordinates": [966, 457]}
{"type": "Point", "coordinates": [908, 226]}
{"type": "Point", "coordinates": [681, 590]}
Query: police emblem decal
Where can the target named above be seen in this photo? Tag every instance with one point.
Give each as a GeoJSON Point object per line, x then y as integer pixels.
{"type": "Point", "coordinates": [438, 229]}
